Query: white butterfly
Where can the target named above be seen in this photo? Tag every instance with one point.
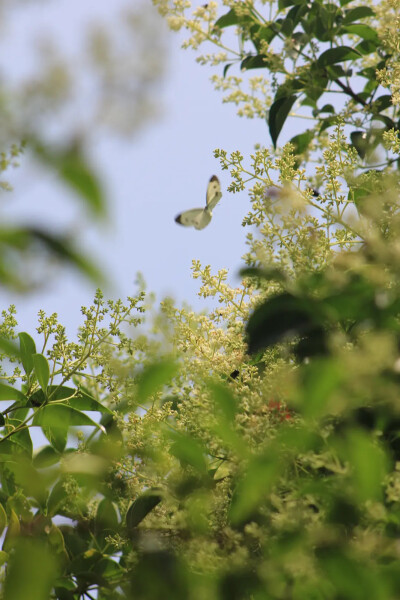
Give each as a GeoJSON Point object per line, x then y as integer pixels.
{"type": "Point", "coordinates": [200, 217]}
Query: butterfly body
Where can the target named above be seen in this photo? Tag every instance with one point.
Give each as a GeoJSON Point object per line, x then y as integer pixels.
{"type": "Point", "coordinates": [200, 217]}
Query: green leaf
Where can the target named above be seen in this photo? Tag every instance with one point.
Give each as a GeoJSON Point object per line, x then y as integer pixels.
{"type": "Point", "coordinates": [57, 497]}
{"type": "Point", "coordinates": [42, 370]}
{"type": "Point", "coordinates": [382, 103]}
{"type": "Point", "coordinates": [226, 68]}
{"type": "Point", "coordinates": [76, 172]}
{"type": "Point", "coordinates": [253, 487]}
{"type": "Point", "coordinates": [27, 349]}
{"type": "Point", "coordinates": [9, 393]}
{"type": "Point", "coordinates": [278, 114]}
{"type": "Point", "coordinates": [141, 507]}
{"type": "Point", "coordinates": [46, 457]}
{"type": "Point", "coordinates": [269, 274]}
{"type": "Point", "coordinates": [254, 62]}
{"type": "Point", "coordinates": [61, 417]}
{"type": "Point", "coordinates": [9, 347]}
{"type": "Point", "coordinates": [369, 465]}
{"type": "Point", "coordinates": [259, 33]}
{"type": "Point", "coordinates": [12, 532]}
{"type": "Point", "coordinates": [280, 318]}
{"type": "Point", "coordinates": [225, 401]}
{"type": "Point", "coordinates": [320, 380]}
{"type": "Point", "coordinates": [31, 572]}
{"type": "Point", "coordinates": [64, 250]}
{"type": "Point", "coordinates": [302, 141]}
{"type": "Point", "coordinates": [367, 47]}
{"type": "Point", "coordinates": [227, 20]}
{"type": "Point", "coordinates": [3, 519]}
{"type": "Point", "coordinates": [21, 438]}
{"type": "Point", "coordinates": [354, 14]}
{"type": "Point", "coordinates": [106, 515]}
{"type": "Point", "coordinates": [363, 31]}
{"type": "Point", "coordinates": [327, 108]}
{"type": "Point", "coordinates": [336, 55]}
{"type": "Point", "coordinates": [154, 377]}
{"type": "Point", "coordinates": [188, 451]}
{"type": "Point", "coordinates": [360, 142]}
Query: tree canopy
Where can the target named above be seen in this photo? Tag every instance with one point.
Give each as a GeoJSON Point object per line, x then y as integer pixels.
{"type": "Point", "coordinates": [251, 452]}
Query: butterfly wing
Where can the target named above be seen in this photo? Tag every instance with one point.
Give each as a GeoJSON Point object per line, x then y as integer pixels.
{"type": "Point", "coordinates": [197, 218]}
{"type": "Point", "coordinates": [214, 193]}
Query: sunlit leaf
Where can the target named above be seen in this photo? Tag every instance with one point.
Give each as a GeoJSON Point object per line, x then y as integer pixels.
{"type": "Point", "coordinates": [42, 370]}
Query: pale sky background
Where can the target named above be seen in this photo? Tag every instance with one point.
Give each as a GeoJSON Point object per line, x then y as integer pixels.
{"type": "Point", "coordinates": [161, 171]}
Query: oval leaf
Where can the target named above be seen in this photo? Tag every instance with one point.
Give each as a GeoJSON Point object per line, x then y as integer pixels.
{"type": "Point", "coordinates": [42, 370]}
{"type": "Point", "coordinates": [141, 508]}
{"type": "Point", "coordinates": [278, 114]}
{"type": "Point", "coordinates": [27, 349]}
{"type": "Point", "coordinates": [336, 55]}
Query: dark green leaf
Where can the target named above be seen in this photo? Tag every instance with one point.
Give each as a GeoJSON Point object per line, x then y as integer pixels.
{"type": "Point", "coordinates": [42, 370]}
{"type": "Point", "coordinates": [336, 55]}
{"type": "Point", "coordinates": [327, 108]}
{"type": "Point", "coordinates": [106, 515]}
{"type": "Point", "coordinates": [302, 141]}
{"type": "Point", "coordinates": [254, 62]}
{"type": "Point", "coordinates": [360, 142]}
{"type": "Point", "coordinates": [141, 507]}
{"type": "Point", "coordinates": [354, 14]}
{"type": "Point", "coordinates": [226, 68]}
{"type": "Point", "coordinates": [367, 47]}
{"type": "Point", "coordinates": [278, 114]}
{"type": "Point", "coordinates": [382, 103]}
{"type": "Point", "coordinates": [269, 274]}
{"type": "Point", "coordinates": [282, 317]}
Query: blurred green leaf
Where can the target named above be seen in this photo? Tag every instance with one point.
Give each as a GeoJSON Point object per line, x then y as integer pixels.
{"type": "Point", "coordinates": [3, 519]}
{"type": "Point", "coordinates": [154, 377]}
{"type": "Point", "coordinates": [63, 249]}
{"type": "Point", "coordinates": [75, 171]}
{"type": "Point", "coordinates": [32, 571]}
{"type": "Point", "coordinates": [46, 457]}
{"type": "Point", "coordinates": [251, 491]}
{"type": "Point", "coordinates": [188, 451]}
{"type": "Point", "coordinates": [368, 463]}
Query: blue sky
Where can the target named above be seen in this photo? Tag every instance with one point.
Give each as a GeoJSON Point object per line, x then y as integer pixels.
{"type": "Point", "coordinates": [149, 178]}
